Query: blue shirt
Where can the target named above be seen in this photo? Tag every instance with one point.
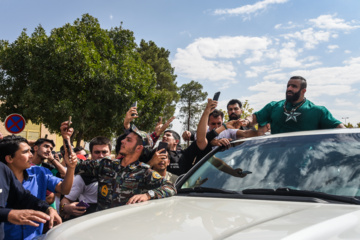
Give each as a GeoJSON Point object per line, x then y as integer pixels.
{"type": "Point", "coordinates": [37, 180]}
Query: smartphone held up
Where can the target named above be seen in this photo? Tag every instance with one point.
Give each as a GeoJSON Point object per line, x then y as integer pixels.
{"type": "Point", "coordinates": [216, 96]}
{"type": "Point", "coordinates": [134, 105]}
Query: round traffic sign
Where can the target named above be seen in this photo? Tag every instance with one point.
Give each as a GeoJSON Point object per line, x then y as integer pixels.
{"type": "Point", "coordinates": [15, 123]}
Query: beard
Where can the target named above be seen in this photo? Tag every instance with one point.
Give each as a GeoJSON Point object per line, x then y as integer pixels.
{"type": "Point", "coordinates": [234, 116]}
{"type": "Point", "coordinates": [294, 97]}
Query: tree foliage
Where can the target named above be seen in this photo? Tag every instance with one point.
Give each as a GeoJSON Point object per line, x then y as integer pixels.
{"type": "Point", "coordinates": [158, 59]}
{"type": "Point", "coordinates": [191, 96]}
{"type": "Point", "coordinates": [79, 70]}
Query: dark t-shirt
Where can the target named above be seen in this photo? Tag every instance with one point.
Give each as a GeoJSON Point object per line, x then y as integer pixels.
{"type": "Point", "coordinates": [181, 161]}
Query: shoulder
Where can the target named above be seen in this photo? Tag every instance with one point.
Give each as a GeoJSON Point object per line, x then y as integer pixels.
{"type": "Point", "coordinates": [38, 170]}
{"type": "Point", "coordinates": [273, 104]}
{"type": "Point", "coordinates": [144, 165]}
{"type": "Point", "coordinates": [314, 106]}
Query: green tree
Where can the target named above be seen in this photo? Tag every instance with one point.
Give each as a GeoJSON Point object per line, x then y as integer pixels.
{"type": "Point", "coordinates": [191, 96]}
{"type": "Point", "coordinates": [79, 70]}
{"type": "Point", "coordinates": [349, 125]}
{"type": "Point", "coordinates": [246, 109]}
{"type": "Point", "coordinates": [158, 59]}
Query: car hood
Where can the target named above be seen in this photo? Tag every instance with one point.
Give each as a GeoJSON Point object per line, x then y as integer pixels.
{"type": "Point", "coordinates": [182, 217]}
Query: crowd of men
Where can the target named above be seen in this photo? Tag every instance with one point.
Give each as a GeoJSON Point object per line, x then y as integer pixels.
{"type": "Point", "coordinates": [48, 190]}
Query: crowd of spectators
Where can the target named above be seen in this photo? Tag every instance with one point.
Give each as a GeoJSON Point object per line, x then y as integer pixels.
{"type": "Point", "coordinates": [146, 166]}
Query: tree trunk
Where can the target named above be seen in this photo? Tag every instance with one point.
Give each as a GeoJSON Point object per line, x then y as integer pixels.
{"type": "Point", "coordinates": [79, 137]}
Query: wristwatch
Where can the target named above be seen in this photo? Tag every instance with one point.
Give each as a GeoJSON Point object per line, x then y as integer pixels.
{"type": "Point", "coordinates": [151, 193]}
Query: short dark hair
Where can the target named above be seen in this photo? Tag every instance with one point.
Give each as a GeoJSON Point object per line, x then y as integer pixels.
{"type": "Point", "coordinates": [99, 141]}
{"type": "Point", "coordinates": [118, 142]}
{"type": "Point", "coordinates": [303, 83]}
{"type": "Point", "coordinates": [77, 149]}
{"type": "Point", "coordinates": [175, 135]}
{"type": "Point", "coordinates": [234, 101]}
{"type": "Point", "coordinates": [216, 113]}
{"type": "Point", "coordinates": [42, 140]}
{"type": "Point", "coordinates": [9, 145]}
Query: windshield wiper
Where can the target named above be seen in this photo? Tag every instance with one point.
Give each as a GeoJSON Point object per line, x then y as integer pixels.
{"type": "Point", "coordinates": [205, 190]}
{"type": "Point", "coordinates": [301, 193]}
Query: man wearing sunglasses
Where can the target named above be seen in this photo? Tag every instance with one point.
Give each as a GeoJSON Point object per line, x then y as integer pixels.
{"type": "Point", "coordinates": [85, 188]}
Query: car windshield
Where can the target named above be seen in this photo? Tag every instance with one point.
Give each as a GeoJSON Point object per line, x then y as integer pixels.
{"type": "Point", "coordinates": [322, 163]}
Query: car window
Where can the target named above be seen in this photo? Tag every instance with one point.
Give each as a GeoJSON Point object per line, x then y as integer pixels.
{"type": "Point", "coordinates": [323, 163]}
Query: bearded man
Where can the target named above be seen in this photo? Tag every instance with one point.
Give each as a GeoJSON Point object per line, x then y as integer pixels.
{"type": "Point", "coordinates": [295, 113]}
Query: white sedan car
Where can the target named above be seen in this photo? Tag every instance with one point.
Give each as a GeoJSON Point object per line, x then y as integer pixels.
{"type": "Point", "coordinates": [303, 185]}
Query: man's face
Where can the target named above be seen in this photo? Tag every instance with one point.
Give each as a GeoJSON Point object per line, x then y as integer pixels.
{"type": "Point", "coordinates": [44, 150]}
{"type": "Point", "coordinates": [161, 165]}
{"type": "Point", "coordinates": [168, 137]}
{"type": "Point", "coordinates": [234, 111]}
{"type": "Point", "coordinates": [22, 157]}
{"type": "Point", "coordinates": [129, 144]}
{"type": "Point", "coordinates": [100, 151]}
{"type": "Point", "coordinates": [293, 90]}
{"type": "Point", "coordinates": [215, 122]}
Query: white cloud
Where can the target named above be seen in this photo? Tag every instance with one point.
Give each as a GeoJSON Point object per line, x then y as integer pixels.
{"type": "Point", "coordinates": [347, 51]}
{"type": "Point", "coordinates": [310, 37]}
{"type": "Point", "coordinates": [277, 76]}
{"type": "Point", "coordinates": [343, 102]}
{"type": "Point", "coordinates": [330, 22]}
{"type": "Point", "coordinates": [326, 76]}
{"type": "Point", "coordinates": [111, 16]}
{"type": "Point", "coordinates": [332, 48]}
{"type": "Point", "coordinates": [209, 58]}
{"type": "Point", "coordinates": [248, 9]}
{"type": "Point", "coordinates": [288, 25]}
{"type": "Point", "coordinates": [186, 33]}
{"type": "Point", "coordinates": [352, 61]}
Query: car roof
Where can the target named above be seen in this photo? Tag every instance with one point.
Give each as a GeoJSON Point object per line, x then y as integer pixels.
{"type": "Point", "coordinates": [304, 133]}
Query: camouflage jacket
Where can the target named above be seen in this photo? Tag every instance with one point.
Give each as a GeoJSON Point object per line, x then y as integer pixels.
{"type": "Point", "coordinates": [118, 184]}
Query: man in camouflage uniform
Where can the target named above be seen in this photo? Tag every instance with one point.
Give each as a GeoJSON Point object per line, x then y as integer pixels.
{"type": "Point", "coordinates": [127, 180]}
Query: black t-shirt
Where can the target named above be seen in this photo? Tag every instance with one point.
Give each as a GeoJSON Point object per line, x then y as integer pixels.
{"type": "Point", "coordinates": [181, 161]}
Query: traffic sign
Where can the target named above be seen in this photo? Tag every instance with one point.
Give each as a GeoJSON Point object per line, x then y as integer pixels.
{"type": "Point", "coordinates": [15, 123]}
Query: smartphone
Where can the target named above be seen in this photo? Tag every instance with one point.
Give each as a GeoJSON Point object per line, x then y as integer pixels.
{"type": "Point", "coordinates": [216, 96]}
{"type": "Point", "coordinates": [134, 105]}
{"type": "Point", "coordinates": [83, 204]}
{"type": "Point", "coordinates": [245, 172]}
{"type": "Point", "coordinates": [162, 145]}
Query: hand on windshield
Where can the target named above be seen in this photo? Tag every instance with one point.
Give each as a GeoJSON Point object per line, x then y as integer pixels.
{"type": "Point", "coordinates": [221, 142]}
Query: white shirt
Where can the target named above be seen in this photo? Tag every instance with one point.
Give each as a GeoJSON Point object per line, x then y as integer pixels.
{"type": "Point", "coordinates": [86, 193]}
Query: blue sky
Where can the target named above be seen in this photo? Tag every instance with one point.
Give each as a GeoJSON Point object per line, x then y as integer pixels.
{"type": "Point", "coordinates": [247, 49]}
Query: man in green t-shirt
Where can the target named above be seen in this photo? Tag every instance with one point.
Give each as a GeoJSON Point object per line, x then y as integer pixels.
{"type": "Point", "coordinates": [295, 113]}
